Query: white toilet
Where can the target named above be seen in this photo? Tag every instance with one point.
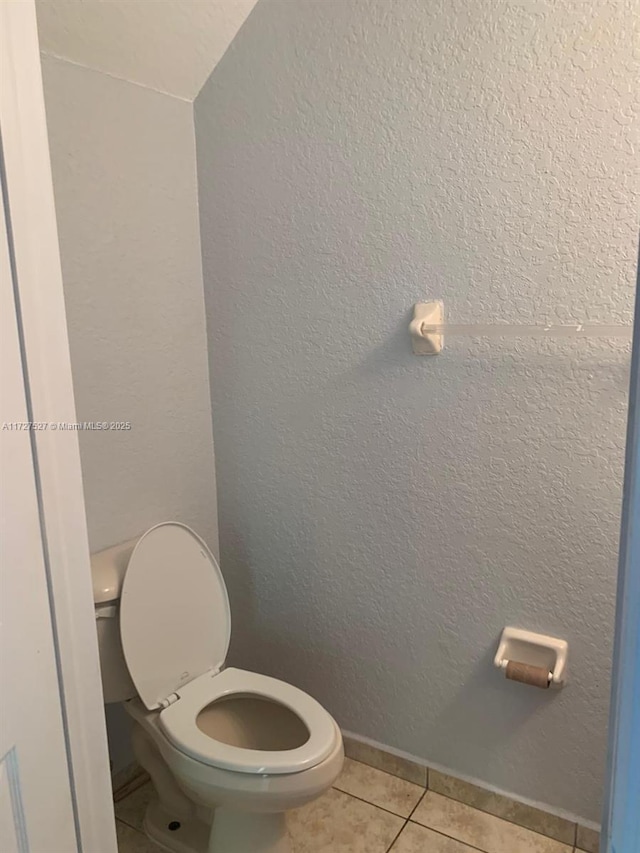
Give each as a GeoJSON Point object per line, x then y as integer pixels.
{"type": "Point", "coordinates": [228, 751]}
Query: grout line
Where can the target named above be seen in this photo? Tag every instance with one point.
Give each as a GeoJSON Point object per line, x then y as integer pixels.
{"type": "Point", "coordinates": [135, 829]}
{"type": "Point", "coordinates": [512, 822]}
{"type": "Point", "coordinates": [413, 810]}
{"type": "Point", "coordinates": [124, 820]}
{"type": "Point", "coordinates": [375, 805]}
{"type": "Point", "coordinates": [451, 837]}
{"type": "Point", "coordinates": [393, 775]}
{"type": "Point", "coordinates": [130, 825]}
{"type": "Point", "coordinates": [400, 831]}
{"type": "Point", "coordinates": [130, 787]}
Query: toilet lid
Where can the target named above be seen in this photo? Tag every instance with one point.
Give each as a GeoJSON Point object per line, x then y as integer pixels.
{"type": "Point", "coordinates": [175, 620]}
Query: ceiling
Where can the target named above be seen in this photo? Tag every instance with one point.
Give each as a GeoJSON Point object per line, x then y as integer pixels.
{"type": "Point", "coordinates": [168, 45]}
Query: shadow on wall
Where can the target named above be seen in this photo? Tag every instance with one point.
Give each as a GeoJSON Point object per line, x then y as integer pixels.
{"type": "Point", "coordinates": [119, 736]}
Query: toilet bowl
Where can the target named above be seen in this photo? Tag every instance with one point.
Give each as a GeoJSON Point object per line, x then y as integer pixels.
{"type": "Point", "coordinates": [229, 751]}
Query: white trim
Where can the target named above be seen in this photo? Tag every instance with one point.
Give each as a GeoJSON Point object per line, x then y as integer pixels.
{"type": "Point", "coordinates": [49, 385]}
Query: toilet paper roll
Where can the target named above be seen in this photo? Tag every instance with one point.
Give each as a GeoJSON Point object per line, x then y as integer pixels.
{"type": "Point", "coordinates": [536, 676]}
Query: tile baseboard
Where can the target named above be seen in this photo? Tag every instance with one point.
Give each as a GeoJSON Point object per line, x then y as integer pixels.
{"type": "Point", "coordinates": [127, 781]}
{"type": "Point", "coordinates": [529, 817]}
{"type": "Point", "coordinates": [379, 758]}
{"type": "Point", "coordinates": [561, 829]}
{"type": "Point", "coordinates": [587, 839]}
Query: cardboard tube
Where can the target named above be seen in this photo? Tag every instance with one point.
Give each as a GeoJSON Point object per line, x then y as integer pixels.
{"type": "Point", "coordinates": [536, 676]}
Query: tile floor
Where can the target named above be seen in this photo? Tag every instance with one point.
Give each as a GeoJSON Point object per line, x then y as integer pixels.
{"type": "Point", "coordinates": [370, 811]}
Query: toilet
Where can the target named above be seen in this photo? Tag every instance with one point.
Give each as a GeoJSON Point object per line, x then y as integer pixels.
{"type": "Point", "coordinates": [229, 752]}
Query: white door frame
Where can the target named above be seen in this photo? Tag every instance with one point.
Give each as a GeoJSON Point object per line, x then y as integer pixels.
{"type": "Point", "coordinates": [41, 316]}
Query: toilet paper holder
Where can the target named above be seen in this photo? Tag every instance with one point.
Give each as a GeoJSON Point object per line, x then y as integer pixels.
{"type": "Point", "coordinates": [534, 650]}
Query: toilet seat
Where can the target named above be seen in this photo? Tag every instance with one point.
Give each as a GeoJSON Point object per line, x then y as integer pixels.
{"type": "Point", "coordinates": [175, 621]}
{"type": "Point", "coordinates": [178, 721]}
{"type": "Point", "coordinates": [175, 625]}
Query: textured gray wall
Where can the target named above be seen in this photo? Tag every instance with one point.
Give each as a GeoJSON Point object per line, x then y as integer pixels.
{"type": "Point", "coordinates": [124, 171]}
{"type": "Point", "coordinates": [383, 516]}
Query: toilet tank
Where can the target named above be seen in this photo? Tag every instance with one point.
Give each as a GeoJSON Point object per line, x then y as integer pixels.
{"type": "Point", "coordinates": [108, 569]}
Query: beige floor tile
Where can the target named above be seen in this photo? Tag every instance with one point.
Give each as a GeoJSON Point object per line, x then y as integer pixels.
{"type": "Point", "coordinates": [482, 830]}
{"type": "Point", "coordinates": [338, 823]}
{"type": "Point", "coordinates": [131, 809]}
{"type": "Point", "coordinates": [588, 839]}
{"type": "Point", "coordinates": [127, 780]}
{"type": "Point", "coordinates": [371, 755]}
{"type": "Point", "coordinates": [501, 806]}
{"type": "Point", "coordinates": [132, 841]}
{"type": "Point", "coordinates": [379, 788]}
{"type": "Point", "coordinates": [419, 839]}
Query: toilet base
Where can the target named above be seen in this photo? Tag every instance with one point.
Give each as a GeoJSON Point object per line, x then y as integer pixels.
{"type": "Point", "coordinates": [189, 836]}
{"type": "Point", "coordinates": [248, 832]}
{"type": "Point", "coordinates": [232, 832]}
